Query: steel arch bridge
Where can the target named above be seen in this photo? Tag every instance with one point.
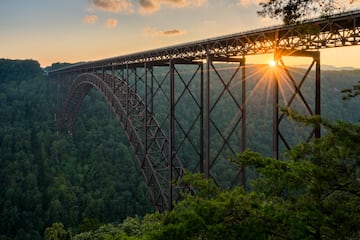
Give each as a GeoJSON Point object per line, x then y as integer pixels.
{"type": "Point", "coordinates": [150, 92]}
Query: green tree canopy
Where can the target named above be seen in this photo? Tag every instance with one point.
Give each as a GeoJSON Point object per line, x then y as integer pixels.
{"type": "Point", "coordinates": [312, 193]}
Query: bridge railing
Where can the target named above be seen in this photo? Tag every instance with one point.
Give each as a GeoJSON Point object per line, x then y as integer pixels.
{"type": "Point", "coordinates": [240, 44]}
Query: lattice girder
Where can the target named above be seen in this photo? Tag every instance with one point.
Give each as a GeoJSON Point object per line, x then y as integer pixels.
{"type": "Point", "coordinates": [153, 161]}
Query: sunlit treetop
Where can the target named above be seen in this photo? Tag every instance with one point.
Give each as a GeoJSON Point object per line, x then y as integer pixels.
{"type": "Point", "coordinates": [291, 11]}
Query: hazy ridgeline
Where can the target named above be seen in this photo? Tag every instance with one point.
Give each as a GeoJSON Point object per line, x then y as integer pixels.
{"type": "Point", "coordinates": [90, 177]}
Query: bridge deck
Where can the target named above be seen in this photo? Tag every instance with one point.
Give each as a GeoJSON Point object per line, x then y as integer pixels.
{"type": "Point", "coordinates": [139, 95]}
{"type": "Point", "coordinates": [334, 31]}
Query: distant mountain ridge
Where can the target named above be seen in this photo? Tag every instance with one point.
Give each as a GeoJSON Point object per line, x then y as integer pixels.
{"type": "Point", "coordinates": [330, 67]}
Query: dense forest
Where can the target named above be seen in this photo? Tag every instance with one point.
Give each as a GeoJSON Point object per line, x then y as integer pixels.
{"type": "Point", "coordinates": [47, 177]}
{"type": "Point", "coordinates": [86, 185]}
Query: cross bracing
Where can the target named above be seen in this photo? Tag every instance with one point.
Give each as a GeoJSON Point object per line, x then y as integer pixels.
{"type": "Point", "coordinates": [149, 92]}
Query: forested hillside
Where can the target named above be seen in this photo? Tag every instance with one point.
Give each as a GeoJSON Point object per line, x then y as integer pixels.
{"type": "Point", "coordinates": [46, 177]}
{"type": "Point", "coordinates": [89, 178]}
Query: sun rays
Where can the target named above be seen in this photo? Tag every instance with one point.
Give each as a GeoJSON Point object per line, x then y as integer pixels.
{"type": "Point", "coordinates": [229, 105]}
{"type": "Point", "coordinates": [272, 63]}
{"type": "Point", "coordinates": [260, 86]}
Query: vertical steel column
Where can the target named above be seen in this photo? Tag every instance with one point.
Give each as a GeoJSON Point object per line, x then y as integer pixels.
{"type": "Point", "coordinates": [201, 163]}
{"type": "Point", "coordinates": [317, 93]}
{"type": "Point", "coordinates": [275, 147]}
{"type": "Point", "coordinates": [123, 73]}
{"type": "Point", "coordinates": [171, 130]}
{"type": "Point", "coordinates": [207, 118]}
{"type": "Point", "coordinates": [127, 89]}
{"type": "Point", "coordinates": [146, 112]}
{"type": "Point", "coordinates": [152, 91]}
{"type": "Point", "coordinates": [243, 120]}
{"type": "Point", "coordinates": [136, 79]}
{"type": "Point", "coordinates": [58, 100]}
{"type": "Point", "coordinates": [113, 77]}
{"type": "Point", "coordinates": [103, 73]}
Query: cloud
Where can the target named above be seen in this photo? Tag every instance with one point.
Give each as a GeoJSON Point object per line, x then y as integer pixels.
{"type": "Point", "coordinates": [153, 32]}
{"type": "Point", "coordinates": [185, 3]}
{"type": "Point", "coordinates": [246, 3]}
{"type": "Point", "coordinates": [111, 22]}
{"type": "Point", "coordinates": [90, 19]}
{"type": "Point", "coordinates": [173, 32]}
{"type": "Point", "coordinates": [150, 6]}
{"type": "Point", "coordinates": [113, 5]}
{"type": "Point", "coordinates": [144, 6]}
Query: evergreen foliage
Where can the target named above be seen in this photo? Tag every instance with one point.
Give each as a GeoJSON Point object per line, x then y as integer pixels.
{"type": "Point", "coordinates": [313, 193]}
{"type": "Point", "coordinates": [79, 180]}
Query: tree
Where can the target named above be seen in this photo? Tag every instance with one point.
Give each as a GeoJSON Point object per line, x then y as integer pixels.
{"type": "Point", "coordinates": [46, 177]}
{"type": "Point", "coordinates": [57, 232]}
{"type": "Point", "coordinates": [291, 11]}
{"type": "Point", "coordinates": [315, 193]}
{"type": "Point", "coordinates": [351, 93]}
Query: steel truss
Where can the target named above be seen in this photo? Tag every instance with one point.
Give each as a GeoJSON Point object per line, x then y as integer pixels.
{"type": "Point", "coordinates": [147, 139]}
{"type": "Point", "coordinates": [225, 131]}
{"type": "Point", "coordinates": [334, 31]}
{"type": "Point", "coordinates": [142, 94]}
{"type": "Point", "coordinates": [152, 92]}
{"type": "Point", "coordinates": [294, 92]}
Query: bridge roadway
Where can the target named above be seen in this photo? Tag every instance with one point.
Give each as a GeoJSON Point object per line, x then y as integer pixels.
{"type": "Point", "coordinates": [133, 84]}
{"type": "Point", "coordinates": [333, 31]}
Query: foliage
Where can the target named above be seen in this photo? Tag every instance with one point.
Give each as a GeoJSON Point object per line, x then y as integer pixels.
{"type": "Point", "coordinates": [57, 65]}
{"type": "Point", "coordinates": [88, 224]}
{"type": "Point", "coordinates": [82, 180]}
{"type": "Point", "coordinates": [57, 232]}
{"type": "Point", "coordinates": [131, 228]}
{"type": "Point", "coordinates": [18, 70]}
{"type": "Point", "coordinates": [351, 92]}
{"type": "Point", "coordinates": [89, 179]}
{"type": "Point", "coordinates": [291, 11]}
{"type": "Point", "coordinates": [313, 193]}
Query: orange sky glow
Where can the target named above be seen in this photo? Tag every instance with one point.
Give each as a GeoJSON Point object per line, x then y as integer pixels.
{"type": "Point", "coordinates": [86, 30]}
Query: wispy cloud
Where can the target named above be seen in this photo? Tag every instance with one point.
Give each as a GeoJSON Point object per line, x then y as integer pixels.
{"type": "Point", "coordinates": [173, 32]}
{"type": "Point", "coordinates": [184, 3]}
{"type": "Point", "coordinates": [90, 19]}
{"type": "Point", "coordinates": [153, 32]}
{"type": "Point", "coordinates": [111, 22]}
{"type": "Point", "coordinates": [150, 6]}
{"type": "Point", "coordinates": [144, 6]}
{"type": "Point", "coordinates": [246, 3]}
{"type": "Point", "coordinates": [113, 5]}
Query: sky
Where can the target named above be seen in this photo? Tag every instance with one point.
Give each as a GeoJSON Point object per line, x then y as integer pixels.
{"type": "Point", "coordinates": [52, 31]}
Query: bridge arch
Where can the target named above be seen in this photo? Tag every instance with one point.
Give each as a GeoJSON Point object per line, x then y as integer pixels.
{"type": "Point", "coordinates": [158, 170]}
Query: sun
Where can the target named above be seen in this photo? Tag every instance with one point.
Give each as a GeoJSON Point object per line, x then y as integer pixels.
{"type": "Point", "coordinates": [272, 63]}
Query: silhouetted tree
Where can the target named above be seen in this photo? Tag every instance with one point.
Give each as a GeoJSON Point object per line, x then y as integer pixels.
{"type": "Point", "coordinates": [291, 11]}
